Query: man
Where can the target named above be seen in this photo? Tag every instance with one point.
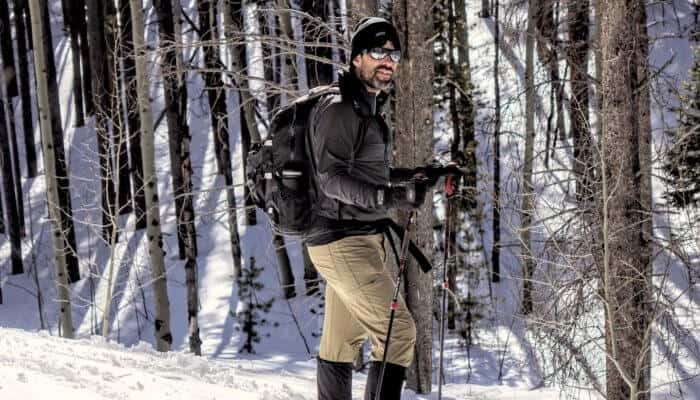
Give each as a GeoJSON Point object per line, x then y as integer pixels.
{"type": "Point", "coordinates": [350, 147]}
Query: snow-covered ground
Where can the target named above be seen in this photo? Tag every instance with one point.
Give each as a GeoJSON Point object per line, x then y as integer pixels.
{"type": "Point", "coordinates": [38, 366]}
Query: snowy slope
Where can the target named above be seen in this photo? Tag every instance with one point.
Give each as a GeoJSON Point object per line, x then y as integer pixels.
{"type": "Point", "coordinates": [37, 366]}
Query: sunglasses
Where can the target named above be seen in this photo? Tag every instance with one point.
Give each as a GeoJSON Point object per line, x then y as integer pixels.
{"type": "Point", "coordinates": [379, 53]}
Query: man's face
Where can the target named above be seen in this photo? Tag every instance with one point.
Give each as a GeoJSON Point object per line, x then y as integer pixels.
{"type": "Point", "coordinates": [376, 74]}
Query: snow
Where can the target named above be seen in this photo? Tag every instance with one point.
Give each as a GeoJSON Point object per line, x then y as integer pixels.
{"type": "Point", "coordinates": [39, 366]}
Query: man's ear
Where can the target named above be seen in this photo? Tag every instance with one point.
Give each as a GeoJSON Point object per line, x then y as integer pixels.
{"type": "Point", "coordinates": [357, 61]}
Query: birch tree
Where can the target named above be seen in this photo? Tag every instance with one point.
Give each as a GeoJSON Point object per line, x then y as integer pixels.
{"type": "Point", "coordinates": [62, 178]}
{"type": "Point", "coordinates": [40, 35]}
{"type": "Point", "coordinates": [163, 335]}
{"type": "Point", "coordinates": [175, 89]}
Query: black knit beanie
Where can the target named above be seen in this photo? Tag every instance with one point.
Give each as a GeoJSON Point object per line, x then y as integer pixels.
{"type": "Point", "coordinates": [373, 32]}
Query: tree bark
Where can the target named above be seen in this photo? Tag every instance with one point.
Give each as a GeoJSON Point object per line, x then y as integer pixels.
{"type": "Point", "coordinates": [101, 90]}
{"type": "Point", "coordinates": [24, 87]}
{"type": "Point", "coordinates": [63, 181]}
{"type": "Point", "coordinates": [527, 207]}
{"type": "Point", "coordinates": [175, 111]}
{"type": "Point", "coordinates": [219, 119]}
{"type": "Point", "coordinates": [463, 149]}
{"type": "Point", "coordinates": [208, 34]}
{"type": "Point", "coordinates": [496, 221]}
{"type": "Point", "coordinates": [318, 72]}
{"type": "Point", "coordinates": [80, 24]}
{"type": "Point", "coordinates": [174, 86]}
{"type": "Point", "coordinates": [578, 106]}
{"type": "Point", "coordinates": [120, 177]}
{"type": "Point", "coordinates": [414, 146]}
{"type": "Point", "coordinates": [485, 11]}
{"type": "Point", "coordinates": [625, 208]}
{"type": "Point", "coordinates": [132, 115]}
{"type": "Point", "coordinates": [233, 26]}
{"type": "Point", "coordinates": [360, 9]}
{"type": "Point", "coordinates": [9, 81]}
{"type": "Point", "coordinates": [70, 28]}
{"type": "Point", "coordinates": [548, 52]}
{"type": "Point", "coordinates": [10, 201]}
{"type": "Point", "coordinates": [163, 335]}
{"type": "Point", "coordinates": [42, 74]}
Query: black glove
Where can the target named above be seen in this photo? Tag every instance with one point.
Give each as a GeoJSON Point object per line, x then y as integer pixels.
{"type": "Point", "coordinates": [433, 172]}
{"type": "Point", "coordinates": [408, 196]}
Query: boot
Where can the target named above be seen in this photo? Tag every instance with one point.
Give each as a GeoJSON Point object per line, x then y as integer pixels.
{"type": "Point", "coordinates": [334, 380]}
{"type": "Point", "coordinates": [394, 375]}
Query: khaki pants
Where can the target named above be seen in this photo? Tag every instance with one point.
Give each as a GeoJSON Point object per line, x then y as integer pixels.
{"type": "Point", "coordinates": [358, 297]}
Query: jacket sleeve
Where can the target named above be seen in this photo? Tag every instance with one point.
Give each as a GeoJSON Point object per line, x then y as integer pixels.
{"type": "Point", "coordinates": [401, 175]}
{"type": "Point", "coordinates": [333, 141]}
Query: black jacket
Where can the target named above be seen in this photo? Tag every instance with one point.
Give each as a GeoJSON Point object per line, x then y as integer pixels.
{"type": "Point", "coordinates": [351, 150]}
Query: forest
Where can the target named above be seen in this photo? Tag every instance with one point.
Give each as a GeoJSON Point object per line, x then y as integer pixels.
{"type": "Point", "coordinates": [567, 259]}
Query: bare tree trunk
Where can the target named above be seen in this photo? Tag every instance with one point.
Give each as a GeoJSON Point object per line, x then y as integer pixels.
{"type": "Point", "coordinates": [63, 181]}
{"type": "Point", "coordinates": [68, 24]}
{"type": "Point", "coordinates": [79, 22]}
{"type": "Point", "coordinates": [625, 207]}
{"type": "Point", "coordinates": [174, 86]}
{"type": "Point", "coordinates": [119, 134]}
{"type": "Point", "coordinates": [318, 72]}
{"type": "Point", "coordinates": [464, 142]}
{"type": "Point", "coordinates": [527, 207]}
{"type": "Point", "coordinates": [208, 33]}
{"type": "Point", "coordinates": [8, 191]}
{"type": "Point", "coordinates": [164, 338]}
{"type": "Point", "coordinates": [9, 82]}
{"type": "Point", "coordinates": [233, 26]}
{"type": "Point", "coordinates": [496, 221]}
{"type": "Point", "coordinates": [50, 160]}
{"type": "Point", "coordinates": [360, 9]}
{"type": "Point", "coordinates": [548, 52]}
{"type": "Point", "coordinates": [287, 61]}
{"type": "Point", "coordinates": [413, 146]}
{"type": "Point", "coordinates": [578, 110]}
{"type": "Point", "coordinates": [132, 115]}
{"type": "Point", "coordinates": [485, 11]}
{"type": "Point", "coordinates": [219, 119]}
{"type": "Point", "coordinates": [24, 87]}
{"type": "Point", "coordinates": [644, 310]}
{"type": "Point", "coordinates": [102, 100]}
{"type": "Point", "coordinates": [2, 217]}
{"type": "Point", "coordinates": [175, 110]}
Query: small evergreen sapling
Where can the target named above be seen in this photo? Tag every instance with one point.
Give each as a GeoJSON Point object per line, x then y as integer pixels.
{"type": "Point", "coordinates": [251, 316]}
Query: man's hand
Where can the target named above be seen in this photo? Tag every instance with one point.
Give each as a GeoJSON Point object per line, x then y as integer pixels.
{"type": "Point", "coordinates": [408, 196]}
{"type": "Point", "coordinates": [433, 172]}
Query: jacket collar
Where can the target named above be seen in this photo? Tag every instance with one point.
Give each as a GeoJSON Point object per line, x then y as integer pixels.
{"type": "Point", "coordinates": [363, 102]}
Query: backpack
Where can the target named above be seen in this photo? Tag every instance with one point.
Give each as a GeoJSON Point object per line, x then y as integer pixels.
{"type": "Point", "coordinates": [279, 171]}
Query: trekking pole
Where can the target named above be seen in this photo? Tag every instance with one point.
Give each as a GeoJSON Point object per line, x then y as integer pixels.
{"type": "Point", "coordinates": [449, 192]}
{"type": "Point", "coordinates": [395, 299]}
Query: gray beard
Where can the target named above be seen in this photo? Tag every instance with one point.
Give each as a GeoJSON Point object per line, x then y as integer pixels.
{"type": "Point", "coordinates": [377, 84]}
